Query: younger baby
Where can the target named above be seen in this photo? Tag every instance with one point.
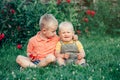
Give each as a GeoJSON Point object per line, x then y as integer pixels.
{"type": "Point", "coordinates": [68, 50]}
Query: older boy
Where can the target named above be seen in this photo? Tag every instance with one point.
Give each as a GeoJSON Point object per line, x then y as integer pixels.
{"type": "Point", "coordinates": [40, 48]}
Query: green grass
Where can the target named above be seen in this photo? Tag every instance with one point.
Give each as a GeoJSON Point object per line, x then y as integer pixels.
{"type": "Point", "coordinates": [102, 55]}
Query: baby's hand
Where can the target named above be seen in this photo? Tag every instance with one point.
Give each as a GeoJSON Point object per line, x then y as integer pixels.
{"type": "Point", "coordinates": [66, 55]}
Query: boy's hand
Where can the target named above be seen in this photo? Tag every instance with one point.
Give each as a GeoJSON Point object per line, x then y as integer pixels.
{"type": "Point", "coordinates": [75, 37]}
{"type": "Point", "coordinates": [66, 55]}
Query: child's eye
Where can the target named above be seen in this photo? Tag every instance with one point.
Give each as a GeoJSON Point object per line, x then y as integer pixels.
{"type": "Point", "coordinates": [53, 31]}
{"type": "Point", "coordinates": [63, 33]}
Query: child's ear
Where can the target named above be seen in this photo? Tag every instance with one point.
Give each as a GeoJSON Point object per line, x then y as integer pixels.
{"type": "Point", "coordinates": [73, 32]}
{"type": "Point", "coordinates": [44, 30]}
{"type": "Point", "coordinates": [59, 33]}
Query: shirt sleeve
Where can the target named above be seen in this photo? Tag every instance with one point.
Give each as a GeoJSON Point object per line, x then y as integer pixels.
{"type": "Point", "coordinates": [79, 45]}
{"type": "Point", "coordinates": [58, 46]}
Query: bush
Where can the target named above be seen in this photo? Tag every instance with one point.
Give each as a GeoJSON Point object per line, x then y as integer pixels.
{"type": "Point", "coordinates": [19, 19]}
{"type": "Point", "coordinates": [107, 17]}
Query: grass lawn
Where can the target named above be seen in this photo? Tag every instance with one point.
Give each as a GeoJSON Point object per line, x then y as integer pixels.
{"type": "Point", "coordinates": [102, 55]}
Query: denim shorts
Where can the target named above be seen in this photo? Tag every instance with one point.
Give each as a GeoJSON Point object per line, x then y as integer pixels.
{"type": "Point", "coordinates": [36, 62]}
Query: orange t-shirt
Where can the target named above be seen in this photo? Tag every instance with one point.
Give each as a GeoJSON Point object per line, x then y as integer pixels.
{"type": "Point", "coordinates": [40, 47]}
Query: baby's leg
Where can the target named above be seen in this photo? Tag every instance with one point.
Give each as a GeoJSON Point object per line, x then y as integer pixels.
{"type": "Point", "coordinates": [50, 58]}
{"type": "Point", "coordinates": [24, 61]}
{"type": "Point", "coordinates": [81, 61]}
{"type": "Point", "coordinates": [61, 61]}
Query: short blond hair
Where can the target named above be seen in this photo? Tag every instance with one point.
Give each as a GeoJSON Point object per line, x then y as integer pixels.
{"type": "Point", "coordinates": [46, 20]}
{"type": "Point", "coordinates": [66, 24]}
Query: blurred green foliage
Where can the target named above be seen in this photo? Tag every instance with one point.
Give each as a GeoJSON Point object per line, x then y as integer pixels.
{"type": "Point", "coordinates": [19, 19]}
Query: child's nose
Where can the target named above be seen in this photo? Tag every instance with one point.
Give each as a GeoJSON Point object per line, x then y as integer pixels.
{"type": "Point", "coordinates": [65, 34]}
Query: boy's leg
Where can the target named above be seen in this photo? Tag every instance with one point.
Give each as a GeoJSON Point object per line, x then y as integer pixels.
{"type": "Point", "coordinates": [24, 61]}
{"type": "Point", "coordinates": [61, 61]}
{"type": "Point", "coordinates": [50, 58]}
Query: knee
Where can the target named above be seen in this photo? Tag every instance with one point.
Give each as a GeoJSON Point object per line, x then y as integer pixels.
{"type": "Point", "coordinates": [19, 57]}
{"type": "Point", "coordinates": [51, 58]}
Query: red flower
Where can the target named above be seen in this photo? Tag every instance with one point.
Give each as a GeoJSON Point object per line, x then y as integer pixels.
{"type": "Point", "coordinates": [88, 12]}
{"type": "Point", "coordinates": [68, 1]}
{"type": "Point", "coordinates": [85, 19]}
{"type": "Point", "coordinates": [93, 13]}
{"type": "Point", "coordinates": [78, 31]}
{"type": "Point", "coordinates": [58, 2]}
{"type": "Point", "coordinates": [32, 56]}
{"type": "Point", "coordinates": [19, 46]}
{"type": "Point", "coordinates": [12, 11]}
{"type": "Point", "coordinates": [2, 36]}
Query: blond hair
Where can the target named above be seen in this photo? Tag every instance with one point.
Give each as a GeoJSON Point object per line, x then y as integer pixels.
{"type": "Point", "coordinates": [46, 20]}
{"type": "Point", "coordinates": [66, 24]}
